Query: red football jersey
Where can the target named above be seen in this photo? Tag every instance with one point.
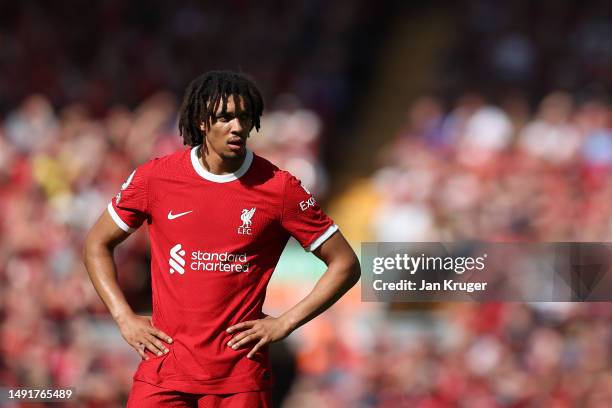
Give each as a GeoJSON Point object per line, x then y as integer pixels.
{"type": "Point", "coordinates": [215, 241]}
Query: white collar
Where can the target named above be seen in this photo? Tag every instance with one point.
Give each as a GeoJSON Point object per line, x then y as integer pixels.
{"type": "Point", "coordinates": [220, 178]}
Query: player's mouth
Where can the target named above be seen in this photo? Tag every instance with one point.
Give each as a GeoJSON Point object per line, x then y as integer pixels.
{"type": "Point", "coordinates": [236, 143]}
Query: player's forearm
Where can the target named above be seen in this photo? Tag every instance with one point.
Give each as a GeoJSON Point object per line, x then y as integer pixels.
{"type": "Point", "coordinates": [102, 271]}
{"type": "Point", "coordinates": [335, 282]}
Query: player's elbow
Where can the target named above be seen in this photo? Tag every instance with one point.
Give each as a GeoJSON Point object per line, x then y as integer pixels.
{"type": "Point", "coordinates": [355, 270]}
{"type": "Point", "coordinates": [352, 269]}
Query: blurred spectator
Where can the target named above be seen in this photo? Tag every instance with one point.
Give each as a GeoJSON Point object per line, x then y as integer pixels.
{"type": "Point", "coordinates": [551, 136]}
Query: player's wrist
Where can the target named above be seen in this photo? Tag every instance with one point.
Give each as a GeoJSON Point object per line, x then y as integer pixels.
{"type": "Point", "coordinates": [288, 324]}
{"type": "Point", "coordinates": [122, 316]}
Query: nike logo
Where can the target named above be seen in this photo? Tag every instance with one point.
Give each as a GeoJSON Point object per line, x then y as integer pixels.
{"type": "Point", "coordinates": [173, 216]}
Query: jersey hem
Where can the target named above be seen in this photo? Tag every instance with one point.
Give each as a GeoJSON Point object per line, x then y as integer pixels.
{"type": "Point", "coordinates": [221, 386]}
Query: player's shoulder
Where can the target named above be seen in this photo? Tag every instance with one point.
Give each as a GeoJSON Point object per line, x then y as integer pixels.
{"type": "Point", "coordinates": [163, 165]}
{"type": "Point", "coordinates": [263, 166]}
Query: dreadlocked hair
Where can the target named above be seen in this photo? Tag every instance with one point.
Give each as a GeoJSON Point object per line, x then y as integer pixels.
{"type": "Point", "coordinates": [206, 92]}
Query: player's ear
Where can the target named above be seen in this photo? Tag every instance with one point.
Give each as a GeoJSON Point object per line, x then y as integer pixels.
{"type": "Point", "coordinates": [203, 127]}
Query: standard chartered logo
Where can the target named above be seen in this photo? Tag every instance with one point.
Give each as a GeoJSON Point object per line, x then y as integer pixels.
{"type": "Point", "coordinates": [207, 261]}
{"type": "Point", "coordinates": [177, 260]}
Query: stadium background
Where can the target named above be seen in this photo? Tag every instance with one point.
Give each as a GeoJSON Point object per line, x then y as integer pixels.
{"type": "Point", "coordinates": [409, 120]}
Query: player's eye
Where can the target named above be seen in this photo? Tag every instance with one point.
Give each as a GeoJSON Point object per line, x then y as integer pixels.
{"type": "Point", "coordinates": [224, 118]}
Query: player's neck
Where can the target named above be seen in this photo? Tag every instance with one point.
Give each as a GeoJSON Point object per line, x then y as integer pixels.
{"type": "Point", "coordinates": [215, 164]}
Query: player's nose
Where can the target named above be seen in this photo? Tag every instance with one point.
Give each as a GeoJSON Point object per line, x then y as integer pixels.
{"type": "Point", "coordinates": [237, 127]}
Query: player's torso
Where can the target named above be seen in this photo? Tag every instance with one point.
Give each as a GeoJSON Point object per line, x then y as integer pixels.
{"type": "Point", "coordinates": [223, 239]}
{"type": "Point", "coordinates": [224, 217]}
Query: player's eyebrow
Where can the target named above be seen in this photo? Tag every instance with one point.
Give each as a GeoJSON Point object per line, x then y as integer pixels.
{"type": "Point", "coordinates": [233, 112]}
{"type": "Point", "coordinates": [221, 113]}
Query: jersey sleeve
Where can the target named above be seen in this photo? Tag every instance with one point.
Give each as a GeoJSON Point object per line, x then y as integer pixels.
{"type": "Point", "coordinates": [303, 218]}
{"type": "Point", "coordinates": [129, 208]}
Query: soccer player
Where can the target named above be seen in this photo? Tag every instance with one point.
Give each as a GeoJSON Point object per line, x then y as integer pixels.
{"type": "Point", "coordinates": [219, 218]}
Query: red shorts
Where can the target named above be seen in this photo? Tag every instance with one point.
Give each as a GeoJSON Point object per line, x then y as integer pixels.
{"type": "Point", "coordinates": [145, 395]}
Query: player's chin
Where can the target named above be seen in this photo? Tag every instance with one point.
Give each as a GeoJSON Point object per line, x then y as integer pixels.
{"type": "Point", "coordinates": [234, 153]}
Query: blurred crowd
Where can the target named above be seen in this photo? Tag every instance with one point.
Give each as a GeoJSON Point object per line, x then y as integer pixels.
{"type": "Point", "coordinates": [498, 172]}
{"type": "Point", "coordinates": [532, 46]}
{"type": "Point", "coordinates": [110, 52]}
{"type": "Point", "coordinates": [508, 161]}
{"type": "Point", "coordinates": [464, 355]}
{"type": "Point", "coordinates": [495, 172]}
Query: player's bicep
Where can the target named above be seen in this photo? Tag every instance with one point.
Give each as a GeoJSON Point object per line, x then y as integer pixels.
{"type": "Point", "coordinates": [335, 249]}
{"type": "Point", "coordinates": [106, 232]}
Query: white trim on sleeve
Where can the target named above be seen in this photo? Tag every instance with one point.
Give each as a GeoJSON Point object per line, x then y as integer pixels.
{"type": "Point", "coordinates": [120, 223]}
{"type": "Point", "coordinates": [317, 242]}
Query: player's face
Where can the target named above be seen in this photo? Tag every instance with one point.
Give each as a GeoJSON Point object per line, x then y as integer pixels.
{"type": "Point", "coordinates": [227, 133]}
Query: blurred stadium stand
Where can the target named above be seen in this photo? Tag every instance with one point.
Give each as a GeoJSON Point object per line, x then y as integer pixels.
{"type": "Point", "coordinates": [436, 121]}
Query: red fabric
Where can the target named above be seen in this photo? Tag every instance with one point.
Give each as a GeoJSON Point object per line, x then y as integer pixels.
{"type": "Point", "coordinates": [227, 263]}
{"type": "Point", "coordinates": [145, 395]}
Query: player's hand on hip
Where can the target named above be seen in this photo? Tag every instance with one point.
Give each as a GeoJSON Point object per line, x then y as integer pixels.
{"type": "Point", "coordinates": [139, 332]}
{"type": "Point", "coordinates": [262, 331]}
